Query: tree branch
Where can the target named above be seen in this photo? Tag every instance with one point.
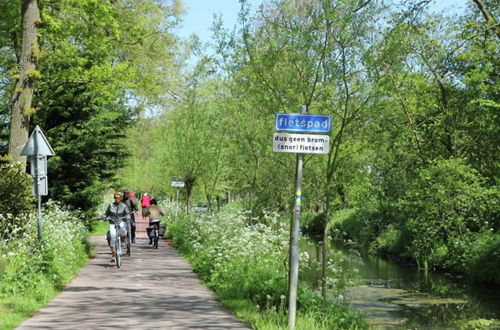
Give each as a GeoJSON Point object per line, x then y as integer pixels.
{"type": "Point", "coordinates": [488, 17]}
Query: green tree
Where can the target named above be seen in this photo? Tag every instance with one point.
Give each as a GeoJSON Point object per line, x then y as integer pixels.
{"type": "Point", "coordinates": [94, 87]}
{"type": "Point", "coordinates": [23, 92]}
{"type": "Point", "coordinates": [16, 200]}
{"type": "Point", "coordinates": [446, 202]}
{"type": "Point", "coordinates": [436, 108]}
{"type": "Point", "coordinates": [10, 29]}
{"type": "Point", "coordinates": [476, 67]}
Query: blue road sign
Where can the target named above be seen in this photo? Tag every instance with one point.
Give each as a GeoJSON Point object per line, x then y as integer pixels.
{"type": "Point", "coordinates": [296, 122]}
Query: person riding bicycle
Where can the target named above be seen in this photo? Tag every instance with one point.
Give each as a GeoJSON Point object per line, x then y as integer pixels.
{"type": "Point", "coordinates": [145, 203]}
{"type": "Point", "coordinates": [119, 211]}
{"type": "Point", "coordinates": [155, 213]}
{"type": "Point", "coordinates": [132, 207]}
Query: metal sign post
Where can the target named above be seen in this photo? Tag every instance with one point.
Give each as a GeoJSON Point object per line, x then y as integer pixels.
{"type": "Point", "coordinates": [38, 148]}
{"type": "Point", "coordinates": [300, 144]}
{"type": "Point", "coordinates": [177, 203]}
{"type": "Point", "coordinates": [293, 274]}
{"type": "Point", "coordinates": [179, 184]}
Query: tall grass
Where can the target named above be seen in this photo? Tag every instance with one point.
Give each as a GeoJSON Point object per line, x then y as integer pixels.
{"type": "Point", "coordinates": [32, 272]}
{"type": "Point", "coordinates": [245, 261]}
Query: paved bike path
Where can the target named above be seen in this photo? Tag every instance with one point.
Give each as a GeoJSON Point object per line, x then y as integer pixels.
{"type": "Point", "coordinates": [154, 289]}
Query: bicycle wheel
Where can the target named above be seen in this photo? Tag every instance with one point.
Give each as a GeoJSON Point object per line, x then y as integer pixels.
{"type": "Point", "coordinates": [129, 240]}
{"type": "Point", "coordinates": [118, 251]}
{"type": "Point", "coordinates": [156, 238]}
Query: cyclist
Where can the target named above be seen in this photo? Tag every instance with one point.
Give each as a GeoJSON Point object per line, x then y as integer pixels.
{"type": "Point", "coordinates": [116, 210]}
{"type": "Point", "coordinates": [132, 207]}
{"type": "Point", "coordinates": [145, 203]}
{"type": "Point", "coordinates": [154, 212]}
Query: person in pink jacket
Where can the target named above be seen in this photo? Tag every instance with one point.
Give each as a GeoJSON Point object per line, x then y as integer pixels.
{"type": "Point", "coordinates": [145, 203]}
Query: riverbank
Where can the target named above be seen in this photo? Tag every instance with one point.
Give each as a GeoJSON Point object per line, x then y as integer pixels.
{"type": "Point", "coordinates": [392, 294]}
{"type": "Point", "coordinates": [467, 249]}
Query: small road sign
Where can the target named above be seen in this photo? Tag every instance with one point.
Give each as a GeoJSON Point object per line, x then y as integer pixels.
{"type": "Point", "coordinates": [40, 186]}
{"type": "Point", "coordinates": [38, 166]}
{"type": "Point", "coordinates": [296, 122]}
{"type": "Point", "coordinates": [178, 183]}
{"type": "Point", "coordinates": [37, 145]}
{"type": "Point", "coordinates": [301, 143]}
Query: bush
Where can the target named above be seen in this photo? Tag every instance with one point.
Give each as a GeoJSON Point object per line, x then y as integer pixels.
{"type": "Point", "coordinates": [249, 261]}
{"type": "Point", "coordinates": [234, 258]}
{"type": "Point", "coordinates": [391, 241]}
{"type": "Point", "coordinates": [447, 201]}
{"type": "Point", "coordinates": [32, 266]}
{"type": "Point", "coordinates": [483, 258]}
{"type": "Point", "coordinates": [312, 224]}
{"type": "Point", "coordinates": [353, 224]}
{"type": "Point", "coordinates": [15, 195]}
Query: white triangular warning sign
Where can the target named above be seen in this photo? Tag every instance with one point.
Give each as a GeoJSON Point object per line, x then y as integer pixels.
{"type": "Point", "coordinates": [37, 145]}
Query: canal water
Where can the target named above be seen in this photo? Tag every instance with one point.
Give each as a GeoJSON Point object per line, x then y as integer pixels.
{"type": "Point", "coordinates": [399, 296]}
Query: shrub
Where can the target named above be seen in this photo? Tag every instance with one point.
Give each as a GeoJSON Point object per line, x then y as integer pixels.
{"type": "Point", "coordinates": [32, 266]}
{"type": "Point", "coordinates": [353, 224]}
{"type": "Point", "coordinates": [446, 201]}
{"type": "Point", "coordinates": [249, 260]}
{"type": "Point", "coordinates": [15, 196]}
{"type": "Point", "coordinates": [391, 241]}
{"type": "Point", "coordinates": [483, 258]}
{"type": "Point", "coordinates": [234, 258]}
{"type": "Point", "coordinates": [312, 224]}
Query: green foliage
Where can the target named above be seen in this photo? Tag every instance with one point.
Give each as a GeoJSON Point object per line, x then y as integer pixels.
{"type": "Point", "coordinates": [99, 228]}
{"type": "Point", "coordinates": [329, 317]}
{"type": "Point", "coordinates": [243, 261]}
{"type": "Point", "coordinates": [32, 267]}
{"type": "Point", "coordinates": [446, 201]}
{"type": "Point", "coordinates": [434, 192]}
{"type": "Point", "coordinates": [450, 221]}
{"type": "Point", "coordinates": [34, 272]}
{"type": "Point", "coordinates": [391, 241]}
{"type": "Point", "coordinates": [352, 224]}
{"type": "Point", "coordinates": [477, 67]}
{"type": "Point", "coordinates": [99, 64]}
{"type": "Point", "coordinates": [479, 324]}
{"type": "Point", "coordinates": [15, 309]}
{"type": "Point", "coordinates": [312, 224]}
{"type": "Point", "coordinates": [16, 200]}
{"type": "Point", "coordinates": [85, 130]}
{"type": "Point", "coordinates": [482, 257]}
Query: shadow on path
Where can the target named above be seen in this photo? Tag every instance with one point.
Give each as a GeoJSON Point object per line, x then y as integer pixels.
{"type": "Point", "coordinates": [154, 289]}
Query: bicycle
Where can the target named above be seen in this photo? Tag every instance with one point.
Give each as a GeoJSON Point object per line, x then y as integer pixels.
{"type": "Point", "coordinates": [128, 243]}
{"type": "Point", "coordinates": [118, 246]}
{"type": "Point", "coordinates": [155, 232]}
{"type": "Point", "coordinates": [118, 242]}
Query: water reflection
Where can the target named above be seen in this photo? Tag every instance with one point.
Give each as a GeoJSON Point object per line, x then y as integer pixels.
{"type": "Point", "coordinates": [395, 295]}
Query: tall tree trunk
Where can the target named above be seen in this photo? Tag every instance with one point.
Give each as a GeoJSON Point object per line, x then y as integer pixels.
{"type": "Point", "coordinates": [189, 184]}
{"type": "Point", "coordinates": [21, 100]}
{"type": "Point", "coordinates": [209, 202]}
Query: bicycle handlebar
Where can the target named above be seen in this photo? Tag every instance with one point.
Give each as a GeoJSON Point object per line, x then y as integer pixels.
{"type": "Point", "coordinates": [117, 220]}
